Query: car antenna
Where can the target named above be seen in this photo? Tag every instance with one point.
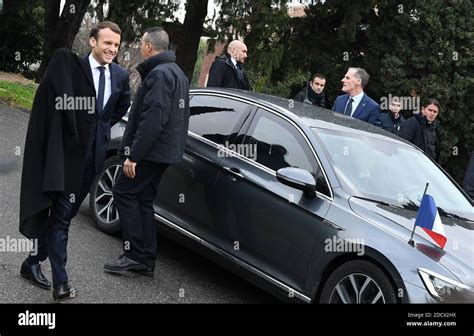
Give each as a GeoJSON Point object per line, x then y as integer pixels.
{"type": "Point", "coordinates": [411, 241]}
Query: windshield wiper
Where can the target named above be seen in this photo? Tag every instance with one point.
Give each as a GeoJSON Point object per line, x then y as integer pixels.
{"type": "Point", "coordinates": [377, 201]}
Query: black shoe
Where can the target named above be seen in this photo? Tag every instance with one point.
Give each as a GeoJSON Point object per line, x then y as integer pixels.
{"type": "Point", "coordinates": [149, 272]}
{"type": "Point", "coordinates": [34, 275]}
{"type": "Point", "coordinates": [124, 264]}
{"type": "Point", "coordinates": [64, 292]}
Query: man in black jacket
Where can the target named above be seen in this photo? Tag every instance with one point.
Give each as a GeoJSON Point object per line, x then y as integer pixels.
{"type": "Point", "coordinates": [227, 70]}
{"type": "Point", "coordinates": [77, 102]}
{"type": "Point", "coordinates": [422, 129]}
{"type": "Point", "coordinates": [468, 183]}
{"type": "Point", "coordinates": [392, 119]}
{"type": "Point", "coordinates": [313, 93]}
{"type": "Point", "coordinates": [154, 138]}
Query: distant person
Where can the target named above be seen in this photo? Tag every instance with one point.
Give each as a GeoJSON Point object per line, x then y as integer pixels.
{"type": "Point", "coordinates": [313, 93]}
{"type": "Point", "coordinates": [468, 183]}
{"type": "Point", "coordinates": [355, 102]}
{"type": "Point", "coordinates": [422, 129]}
{"type": "Point", "coordinates": [227, 70]}
{"type": "Point", "coordinates": [392, 119]}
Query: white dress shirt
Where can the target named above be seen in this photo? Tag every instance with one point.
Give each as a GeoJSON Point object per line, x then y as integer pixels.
{"type": "Point", "coordinates": [356, 100]}
{"type": "Point", "coordinates": [96, 75]}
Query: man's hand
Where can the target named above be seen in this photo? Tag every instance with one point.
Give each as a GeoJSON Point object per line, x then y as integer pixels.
{"type": "Point", "coordinates": [129, 168]}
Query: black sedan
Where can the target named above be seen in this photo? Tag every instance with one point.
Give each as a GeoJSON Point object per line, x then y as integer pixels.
{"type": "Point", "coordinates": [310, 205]}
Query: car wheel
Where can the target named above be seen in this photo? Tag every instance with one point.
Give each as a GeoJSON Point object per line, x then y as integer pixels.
{"type": "Point", "coordinates": [358, 282]}
{"type": "Point", "coordinates": [101, 199]}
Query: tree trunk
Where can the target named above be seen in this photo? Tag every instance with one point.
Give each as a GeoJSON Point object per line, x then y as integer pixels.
{"type": "Point", "coordinates": [60, 31]}
{"type": "Point", "coordinates": [188, 40]}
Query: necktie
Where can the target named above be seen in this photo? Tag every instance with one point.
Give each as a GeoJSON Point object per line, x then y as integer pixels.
{"type": "Point", "coordinates": [240, 71]}
{"type": "Point", "coordinates": [348, 110]}
{"type": "Point", "coordinates": [100, 95]}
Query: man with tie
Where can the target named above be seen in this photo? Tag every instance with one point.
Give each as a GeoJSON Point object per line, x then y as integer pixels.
{"type": "Point", "coordinates": [355, 102]}
{"type": "Point", "coordinates": [66, 146]}
{"type": "Point", "coordinates": [227, 70]}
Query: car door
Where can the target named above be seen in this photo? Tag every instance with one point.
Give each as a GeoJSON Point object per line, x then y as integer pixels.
{"type": "Point", "coordinates": [270, 226]}
{"type": "Point", "coordinates": [186, 192]}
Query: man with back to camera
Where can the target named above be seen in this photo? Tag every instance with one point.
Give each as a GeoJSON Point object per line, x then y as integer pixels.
{"type": "Point", "coordinates": [65, 149]}
{"type": "Point", "coordinates": [227, 70]}
{"type": "Point", "coordinates": [355, 102]}
{"type": "Point", "coordinates": [154, 138]}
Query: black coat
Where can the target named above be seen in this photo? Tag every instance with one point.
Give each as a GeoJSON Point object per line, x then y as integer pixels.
{"type": "Point", "coordinates": [389, 123]}
{"type": "Point", "coordinates": [56, 140]}
{"type": "Point", "coordinates": [224, 74]}
{"type": "Point", "coordinates": [308, 96]}
{"type": "Point", "coordinates": [412, 130]}
{"type": "Point", "coordinates": [468, 184]}
{"type": "Point", "coordinates": [157, 126]}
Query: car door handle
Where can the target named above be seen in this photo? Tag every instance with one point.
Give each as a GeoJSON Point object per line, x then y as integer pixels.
{"type": "Point", "coordinates": [235, 172]}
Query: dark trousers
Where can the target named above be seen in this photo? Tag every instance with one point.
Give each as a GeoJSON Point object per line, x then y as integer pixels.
{"type": "Point", "coordinates": [134, 201]}
{"type": "Point", "coordinates": [53, 243]}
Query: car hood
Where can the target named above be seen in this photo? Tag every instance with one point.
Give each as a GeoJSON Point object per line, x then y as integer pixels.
{"type": "Point", "coordinates": [458, 253]}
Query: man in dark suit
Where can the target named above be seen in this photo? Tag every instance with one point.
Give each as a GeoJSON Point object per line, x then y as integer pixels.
{"type": "Point", "coordinates": [227, 70]}
{"type": "Point", "coordinates": [75, 106]}
{"type": "Point", "coordinates": [355, 102]}
{"type": "Point", "coordinates": [155, 137]}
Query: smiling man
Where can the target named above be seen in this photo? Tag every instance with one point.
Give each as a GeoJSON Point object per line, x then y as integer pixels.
{"type": "Point", "coordinates": [355, 103]}
{"type": "Point", "coordinates": [66, 146]}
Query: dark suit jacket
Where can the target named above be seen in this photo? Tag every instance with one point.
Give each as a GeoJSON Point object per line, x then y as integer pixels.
{"type": "Point", "coordinates": [224, 74]}
{"type": "Point", "coordinates": [113, 111]}
{"type": "Point", "coordinates": [367, 110]}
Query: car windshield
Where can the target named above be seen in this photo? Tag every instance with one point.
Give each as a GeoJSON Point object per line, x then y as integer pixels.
{"type": "Point", "coordinates": [393, 172]}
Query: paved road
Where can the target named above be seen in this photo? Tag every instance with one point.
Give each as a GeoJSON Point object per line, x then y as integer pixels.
{"type": "Point", "coordinates": [181, 276]}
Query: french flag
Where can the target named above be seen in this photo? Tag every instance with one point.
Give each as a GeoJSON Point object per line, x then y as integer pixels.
{"type": "Point", "coordinates": [428, 219]}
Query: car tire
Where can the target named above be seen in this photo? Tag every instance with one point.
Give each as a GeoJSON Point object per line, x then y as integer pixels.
{"type": "Point", "coordinates": [101, 200]}
{"type": "Point", "coordinates": [358, 276]}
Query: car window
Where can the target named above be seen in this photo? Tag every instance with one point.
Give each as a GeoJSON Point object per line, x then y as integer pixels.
{"type": "Point", "coordinates": [279, 144]}
{"type": "Point", "coordinates": [389, 171]}
{"type": "Point", "coordinates": [215, 118]}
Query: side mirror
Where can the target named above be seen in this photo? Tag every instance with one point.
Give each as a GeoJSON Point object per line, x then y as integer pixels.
{"type": "Point", "coordinates": [299, 179]}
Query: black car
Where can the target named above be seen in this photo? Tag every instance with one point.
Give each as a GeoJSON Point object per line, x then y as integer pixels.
{"type": "Point", "coordinates": [311, 205]}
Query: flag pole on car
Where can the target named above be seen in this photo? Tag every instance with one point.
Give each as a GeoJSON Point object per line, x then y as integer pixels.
{"type": "Point", "coordinates": [411, 241]}
{"type": "Point", "coordinates": [429, 220]}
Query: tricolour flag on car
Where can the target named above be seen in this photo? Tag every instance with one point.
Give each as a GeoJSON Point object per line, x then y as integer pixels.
{"type": "Point", "coordinates": [428, 219]}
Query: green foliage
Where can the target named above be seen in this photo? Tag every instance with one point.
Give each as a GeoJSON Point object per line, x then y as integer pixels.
{"type": "Point", "coordinates": [136, 16]}
{"type": "Point", "coordinates": [18, 94]}
{"type": "Point", "coordinates": [261, 25]}
{"type": "Point", "coordinates": [21, 32]}
{"type": "Point", "coordinates": [198, 65]}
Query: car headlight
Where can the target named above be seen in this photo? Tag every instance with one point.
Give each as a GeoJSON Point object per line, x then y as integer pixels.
{"type": "Point", "coordinates": [445, 289]}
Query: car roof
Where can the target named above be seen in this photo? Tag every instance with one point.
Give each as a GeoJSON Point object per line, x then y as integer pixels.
{"type": "Point", "coordinates": [312, 116]}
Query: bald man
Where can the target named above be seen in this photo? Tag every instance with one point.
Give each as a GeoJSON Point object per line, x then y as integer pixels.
{"type": "Point", "coordinates": [227, 70]}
